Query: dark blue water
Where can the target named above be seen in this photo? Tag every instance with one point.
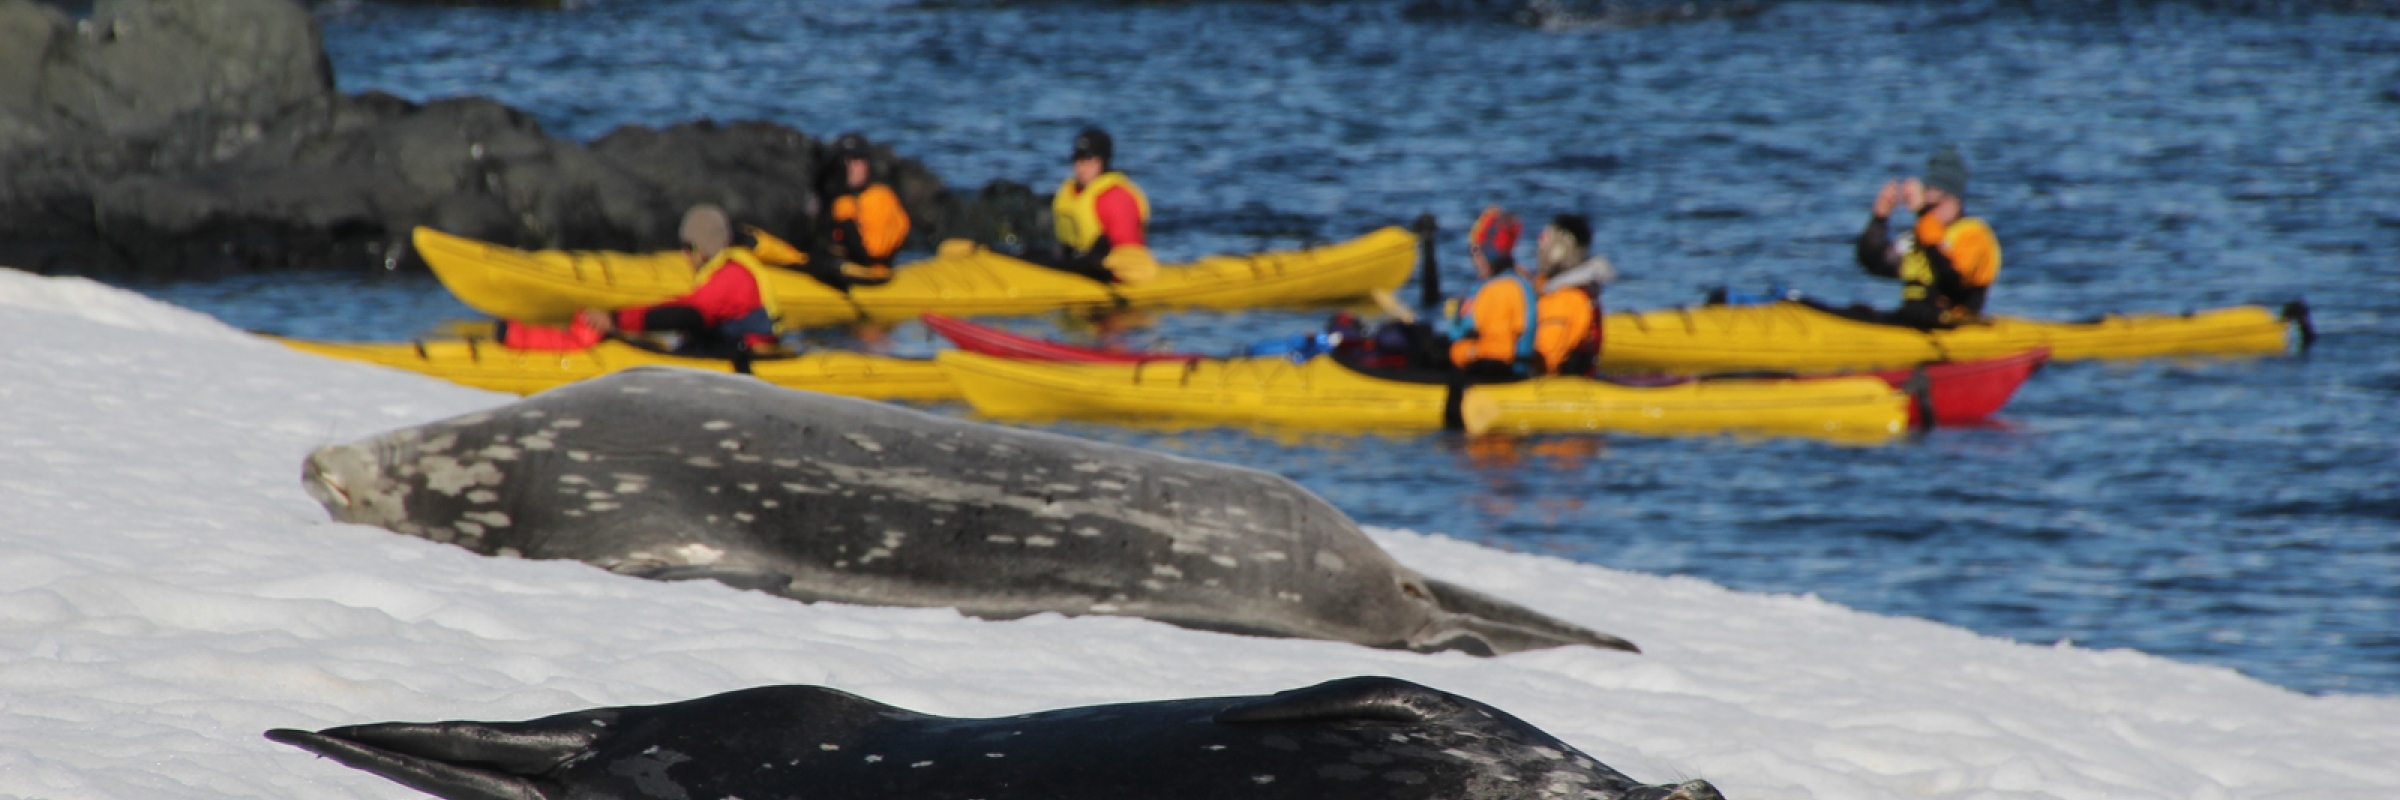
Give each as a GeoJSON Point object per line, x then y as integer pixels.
{"type": "Point", "coordinates": [2144, 156]}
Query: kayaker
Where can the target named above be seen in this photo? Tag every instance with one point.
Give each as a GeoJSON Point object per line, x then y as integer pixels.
{"type": "Point", "coordinates": [1101, 217]}
{"type": "Point", "coordinates": [1947, 264]}
{"type": "Point", "coordinates": [1512, 326]}
{"type": "Point", "coordinates": [864, 223]}
{"type": "Point", "coordinates": [1567, 319]}
{"type": "Point", "coordinates": [727, 315]}
{"type": "Point", "coordinates": [1492, 332]}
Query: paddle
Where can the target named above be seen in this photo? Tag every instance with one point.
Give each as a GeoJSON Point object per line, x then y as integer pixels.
{"type": "Point", "coordinates": [1390, 303]}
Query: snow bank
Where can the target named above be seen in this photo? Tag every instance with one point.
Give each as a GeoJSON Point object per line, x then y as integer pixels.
{"type": "Point", "coordinates": [167, 592]}
{"type": "Point", "coordinates": [93, 301]}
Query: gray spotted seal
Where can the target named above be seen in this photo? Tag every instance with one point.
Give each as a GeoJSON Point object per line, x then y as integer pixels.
{"type": "Point", "coordinates": [1350, 738]}
{"type": "Point", "coordinates": [679, 474]}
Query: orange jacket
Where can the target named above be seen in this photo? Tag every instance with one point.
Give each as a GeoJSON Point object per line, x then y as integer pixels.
{"type": "Point", "coordinates": [874, 216]}
{"type": "Point", "coordinates": [1566, 321]}
{"type": "Point", "coordinates": [1492, 322]}
{"type": "Point", "coordinates": [1969, 244]}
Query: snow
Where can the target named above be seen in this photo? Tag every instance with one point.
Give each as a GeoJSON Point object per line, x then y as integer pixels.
{"type": "Point", "coordinates": [168, 592]}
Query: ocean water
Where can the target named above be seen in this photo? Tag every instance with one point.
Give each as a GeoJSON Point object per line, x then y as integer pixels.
{"type": "Point", "coordinates": [2133, 156]}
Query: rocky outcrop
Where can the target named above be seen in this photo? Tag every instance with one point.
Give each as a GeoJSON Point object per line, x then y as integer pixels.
{"type": "Point", "coordinates": [172, 138]}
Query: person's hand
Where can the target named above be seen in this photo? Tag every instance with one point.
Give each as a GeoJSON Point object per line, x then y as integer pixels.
{"type": "Point", "coordinates": [597, 319]}
{"type": "Point", "coordinates": [1914, 192]}
{"type": "Point", "coordinates": [1887, 199]}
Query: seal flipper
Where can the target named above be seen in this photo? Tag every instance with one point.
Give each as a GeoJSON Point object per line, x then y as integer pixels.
{"type": "Point", "coordinates": [1687, 790]}
{"type": "Point", "coordinates": [458, 760]}
{"type": "Point", "coordinates": [756, 580]}
{"type": "Point", "coordinates": [1485, 625]}
{"type": "Point", "coordinates": [1377, 699]}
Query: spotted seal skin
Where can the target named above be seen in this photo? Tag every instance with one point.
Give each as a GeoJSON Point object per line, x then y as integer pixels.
{"type": "Point", "coordinates": [1367, 737]}
{"type": "Point", "coordinates": [677, 474]}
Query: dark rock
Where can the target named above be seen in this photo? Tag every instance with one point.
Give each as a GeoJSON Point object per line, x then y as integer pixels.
{"type": "Point", "coordinates": [171, 138]}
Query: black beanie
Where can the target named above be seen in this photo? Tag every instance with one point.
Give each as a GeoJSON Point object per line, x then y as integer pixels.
{"type": "Point", "coordinates": [1094, 143]}
{"type": "Point", "coordinates": [1575, 225]}
{"type": "Point", "coordinates": [1947, 171]}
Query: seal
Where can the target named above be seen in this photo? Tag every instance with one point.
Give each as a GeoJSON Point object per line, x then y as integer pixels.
{"type": "Point", "coordinates": [678, 474]}
{"type": "Point", "coordinates": [1368, 737]}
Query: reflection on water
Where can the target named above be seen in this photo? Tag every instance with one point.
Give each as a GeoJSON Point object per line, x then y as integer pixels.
{"type": "Point", "coordinates": [2158, 157]}
{"type": "Point", "coordinates": [1497, 461]}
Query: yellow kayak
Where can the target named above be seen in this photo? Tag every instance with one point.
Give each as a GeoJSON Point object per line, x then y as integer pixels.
{"type": "Point", "coordinates": [485, 365]}
{"type": "Point", "coordinates": [1322, 394]}
{"type": "Point", "coordinates": [549, 285]}
{"type": "Point", "coordinates": [1794, 336]}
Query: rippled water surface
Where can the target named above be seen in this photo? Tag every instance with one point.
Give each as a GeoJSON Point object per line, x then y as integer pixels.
{"type": "Point", "coordinates": [2153, 157]}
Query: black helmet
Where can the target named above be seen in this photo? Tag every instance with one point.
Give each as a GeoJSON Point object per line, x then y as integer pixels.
{"type": "Point", "coordinates": [851, 145]}
{"type": "Point", "coordinates": [1094, 143]}
{"type": "Point", "coordinates": [1574, 225]}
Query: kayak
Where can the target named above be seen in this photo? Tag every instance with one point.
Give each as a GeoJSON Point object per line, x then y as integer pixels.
{"type": "Point", "coordinates": [486, 365]}
{"type": "Point", "coordinates": [1954, 392]}
{"type": "Point", "coordinates": [548, 286]}
{"type": "Point", "coordinates": [998, 343]}
{"type": "Point", "coordinates": [1322, 394]}
{"type": "Point", "coordinates": [1793, 336]}
{"type": "Point", "coordinates": [1963, 392]}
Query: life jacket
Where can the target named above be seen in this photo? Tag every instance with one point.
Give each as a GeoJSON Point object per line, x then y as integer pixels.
{"type": "Point", "coordinates": [869, 225]}
{"type": "Point", "coordinates": [1578, 353]}
{"type": "Point", "coordinates": [1527, 359]}
{"type": "Point", "coordinates": [1917, 281]}
{"type": "Point", "coordinates": [763, 321]}
{"type": "Point", "coordinates": [1076, 214]}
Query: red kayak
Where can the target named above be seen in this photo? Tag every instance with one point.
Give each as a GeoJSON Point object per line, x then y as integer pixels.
{"type": "Point", "coordinates": [1958, 392]}
{"type": "Point", "coordinates": [998, 343]}
{"type": "Point", "coordinates": [1963, 392]}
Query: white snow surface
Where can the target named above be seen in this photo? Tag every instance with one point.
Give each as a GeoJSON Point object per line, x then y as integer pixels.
{"type": "Point", "coordinates": [168, 592]}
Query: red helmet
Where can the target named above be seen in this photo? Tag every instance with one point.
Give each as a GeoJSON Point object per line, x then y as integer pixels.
{"type": "Point", "coordinates": [1497, 230]}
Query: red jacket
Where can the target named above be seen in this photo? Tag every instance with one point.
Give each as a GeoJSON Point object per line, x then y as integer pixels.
{"type": "Point", "coordinates": [1120, 218]}
{"type": "Point", "coordinates": [729, 295]}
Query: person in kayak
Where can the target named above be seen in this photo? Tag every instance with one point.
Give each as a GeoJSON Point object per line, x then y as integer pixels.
{"type": "Point", "coordinates": [1947, 264]}
{"type": "Point", "coordinates": [1510, 327]}
{"type": "Point", "coordinates": [1100, 217]}
{"type": "Point", "coordinates": [864, 224]}
{"type": "Point", "coordinates": [729, 312]}
{"type": "Point", "coordinates": [1567, 319]}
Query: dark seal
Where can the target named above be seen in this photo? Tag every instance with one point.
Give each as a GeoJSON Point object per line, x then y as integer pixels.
{"type": "Point", "coordinates": [1350, 738]}
{"type": "Point", "coordinates": [678, 474]}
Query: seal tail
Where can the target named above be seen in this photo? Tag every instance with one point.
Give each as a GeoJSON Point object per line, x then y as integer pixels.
{"type": "Point", "coordinates": [455, 760]}
{"type": "Point", "coordinates": [1481, 622]}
